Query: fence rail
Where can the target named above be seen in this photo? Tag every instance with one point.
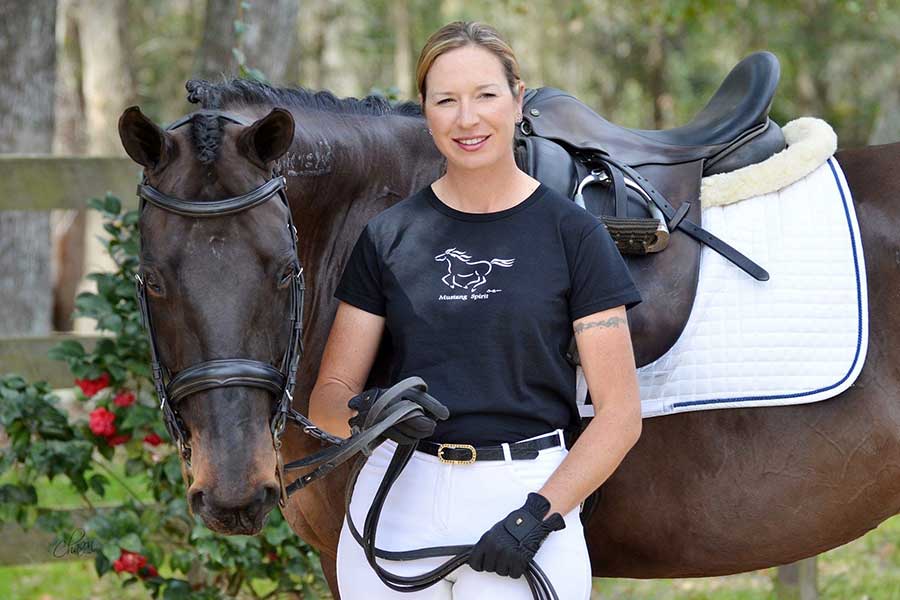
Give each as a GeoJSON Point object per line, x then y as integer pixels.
{"type": "Point", "coordinates": [43, 182]}
{"type": "Point", "coordinates": [27, 356]}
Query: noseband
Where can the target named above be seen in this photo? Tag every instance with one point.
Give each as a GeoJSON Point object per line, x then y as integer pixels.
{"type": "Point", "coordinates": [228, 372]}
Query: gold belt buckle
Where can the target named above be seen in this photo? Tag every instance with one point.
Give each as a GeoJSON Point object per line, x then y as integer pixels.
{"type": "Point", "coordinates": [447, 461]}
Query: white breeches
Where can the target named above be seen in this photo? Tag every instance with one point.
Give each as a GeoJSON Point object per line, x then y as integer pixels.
{"type": "Point", "coordinates": [437, 504]}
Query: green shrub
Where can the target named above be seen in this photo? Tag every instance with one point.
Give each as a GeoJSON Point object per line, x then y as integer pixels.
{"type": "Point", "coordinates": [141, 537]}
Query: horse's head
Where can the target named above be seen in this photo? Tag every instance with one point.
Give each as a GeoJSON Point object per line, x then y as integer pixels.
{"type": "Point", "coordinates": [445, 255]}
{"type": "Point", "coordinates": [220, 283]}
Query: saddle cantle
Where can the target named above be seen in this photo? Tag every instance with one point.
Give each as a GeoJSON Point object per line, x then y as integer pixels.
{"type": "Point", "coordinates": [568, 146]}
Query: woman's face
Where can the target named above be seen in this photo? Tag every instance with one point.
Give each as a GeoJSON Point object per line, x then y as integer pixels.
{"type": "Point", "coordinates": [470, 109]}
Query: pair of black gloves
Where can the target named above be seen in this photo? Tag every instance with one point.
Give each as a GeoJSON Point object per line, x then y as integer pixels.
{"type": "Point", "coordinates": [508, 547]}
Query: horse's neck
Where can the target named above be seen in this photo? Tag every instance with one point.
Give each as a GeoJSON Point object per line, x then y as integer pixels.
{"type": "Point", "coordinates": [342, 170]}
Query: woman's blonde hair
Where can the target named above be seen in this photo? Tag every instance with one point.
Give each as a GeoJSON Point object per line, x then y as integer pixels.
{"type": "Point", "coordinates": [464, 33]}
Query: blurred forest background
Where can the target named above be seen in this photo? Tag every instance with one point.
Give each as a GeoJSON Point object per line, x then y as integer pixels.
{"type": "Point", "coordinates": [71, 66]}
{"type": "Point", "coordinates": [649, 64]}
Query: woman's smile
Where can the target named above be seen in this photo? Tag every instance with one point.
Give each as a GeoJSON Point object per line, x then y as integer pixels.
{"type": "Point", "coordinates": [471, 144]}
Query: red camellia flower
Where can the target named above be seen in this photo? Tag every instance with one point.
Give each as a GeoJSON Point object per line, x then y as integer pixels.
{"type": "Point", "coordinates": [92, 386]}
{"type": "Point", "coordinates": [152, 439]}
{"type": "Point", "coordinates": [129, 562]}
{"type": "Point", "coordinates": [102, 422]}
{"type": "Point", "coordinates": [115, 440]}
{"type": "Point", "coordinates": [124, 398]}
{"type": "Point", "coordinates": [149, 571]}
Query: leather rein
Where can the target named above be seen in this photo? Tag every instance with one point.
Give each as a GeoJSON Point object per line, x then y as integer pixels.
{"type": "Point", "coordinates": [171, 389]}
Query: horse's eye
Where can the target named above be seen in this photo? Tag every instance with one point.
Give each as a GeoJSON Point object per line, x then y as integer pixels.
{"type": "Point", "coordinates": [153, 283]}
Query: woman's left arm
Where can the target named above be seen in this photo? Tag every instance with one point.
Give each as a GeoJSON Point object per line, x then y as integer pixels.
{"type": "Point", "coordinates": [604, 344]}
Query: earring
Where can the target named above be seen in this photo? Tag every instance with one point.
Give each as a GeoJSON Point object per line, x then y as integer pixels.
{"type": "Point", "coordinates": [429, 132]}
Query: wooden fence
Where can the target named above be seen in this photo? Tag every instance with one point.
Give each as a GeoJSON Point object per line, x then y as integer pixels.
{"type": "Point", "coordinates": [43, 183]}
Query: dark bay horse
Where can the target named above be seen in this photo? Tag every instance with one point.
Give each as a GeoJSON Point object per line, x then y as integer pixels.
{"type": "Point", "coordinates": [701, 494]}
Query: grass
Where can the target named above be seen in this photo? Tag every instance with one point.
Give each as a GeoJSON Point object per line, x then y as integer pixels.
{"type": "Point", "coordinates": [865, 569]}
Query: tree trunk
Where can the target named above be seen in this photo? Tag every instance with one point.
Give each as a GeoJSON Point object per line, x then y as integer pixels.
{"type": "Point", "coordinates": [403, 75]}
{"type": "Point", "coordinates": [108, 89]}
{"type": "Point", "coordinates": [106, 78]}
{"type": "Point", "coordinates": [67, 226]}
{"type": "Point", "coordinates": [28, 73]}
{"type": "Point", "coordinates": [338, 73]}
{"type": "Point", "coordinates": [271, 37]}
{"type": "Point", "coordinates": [214, 58]}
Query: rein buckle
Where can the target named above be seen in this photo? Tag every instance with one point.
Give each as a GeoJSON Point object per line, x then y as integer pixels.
{"type": "Point", "coordinates": [448, 461]}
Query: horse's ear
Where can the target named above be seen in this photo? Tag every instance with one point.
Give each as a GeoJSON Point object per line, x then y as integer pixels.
{"type": "Point", "coordinates": [269, 138]}
{"type": "Point", "coordinates": [144, 141]}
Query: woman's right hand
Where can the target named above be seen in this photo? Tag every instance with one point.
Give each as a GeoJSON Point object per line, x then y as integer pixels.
{"type": "Point", "coordinates": [409, 430]}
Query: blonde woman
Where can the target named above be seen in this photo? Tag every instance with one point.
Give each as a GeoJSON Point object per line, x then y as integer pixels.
{"type": "Point", "coordinates": [481, 280]}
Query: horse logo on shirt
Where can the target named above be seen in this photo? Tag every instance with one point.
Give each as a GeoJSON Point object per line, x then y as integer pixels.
{"type": "Point", "coordinates": [463, 272]}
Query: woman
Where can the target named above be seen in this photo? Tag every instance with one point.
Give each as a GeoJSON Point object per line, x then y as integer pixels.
{"type": "Point", "coordinates": [481, 279]}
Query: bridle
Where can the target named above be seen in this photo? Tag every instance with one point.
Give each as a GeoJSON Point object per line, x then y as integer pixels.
{"type": "Point", "coordinates": [172, 389]}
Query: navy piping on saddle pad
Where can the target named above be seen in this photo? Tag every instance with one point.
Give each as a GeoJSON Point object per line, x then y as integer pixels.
{"type": "Point", "coordinates": [859, 332]}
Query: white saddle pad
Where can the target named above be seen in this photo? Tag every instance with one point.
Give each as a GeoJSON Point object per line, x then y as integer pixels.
{"type": "Point", "coordinates": [799, 337]}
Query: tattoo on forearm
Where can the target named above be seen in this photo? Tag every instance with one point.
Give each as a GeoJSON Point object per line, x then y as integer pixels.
{"type": "Point", "coordinates": [610, 322]}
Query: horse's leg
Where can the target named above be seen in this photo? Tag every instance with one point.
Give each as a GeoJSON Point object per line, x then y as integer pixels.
{"type": "Point", "coordinates": [725, 491]}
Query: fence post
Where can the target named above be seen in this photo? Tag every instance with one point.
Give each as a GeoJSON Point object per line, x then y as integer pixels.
{"type": "Point", "coordinates": [798, 581]}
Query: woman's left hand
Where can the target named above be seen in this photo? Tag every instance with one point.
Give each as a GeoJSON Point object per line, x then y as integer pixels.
{"type": "Point", "coordinates": [508, 547]}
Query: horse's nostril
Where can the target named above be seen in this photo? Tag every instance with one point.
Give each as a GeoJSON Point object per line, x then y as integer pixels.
{"type": "Point", "coordinates": [195, 498]}
{"type": "Point", "coordinates": [269, 495]}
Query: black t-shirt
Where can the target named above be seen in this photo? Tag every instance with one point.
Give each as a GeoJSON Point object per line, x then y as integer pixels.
{"type": "Point", "coordinates": [480, 305]}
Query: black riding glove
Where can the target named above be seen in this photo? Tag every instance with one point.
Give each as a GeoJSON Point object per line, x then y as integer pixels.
{"type": "Point", "coordinates": [407, 431]}
{"type": "Point", "coordinates": [508, 546]}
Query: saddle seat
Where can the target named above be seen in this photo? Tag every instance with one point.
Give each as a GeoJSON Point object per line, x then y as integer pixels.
{"type": "Point", "coordinates": [562, 142]}
{"type": "Point", "coordinates": [736, 115]}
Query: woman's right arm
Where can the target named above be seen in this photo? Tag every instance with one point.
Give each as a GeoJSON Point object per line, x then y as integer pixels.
{"type": "Point", "coordinates": [348, 357]}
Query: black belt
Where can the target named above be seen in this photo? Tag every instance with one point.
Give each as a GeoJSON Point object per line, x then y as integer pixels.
{"type": "Point", "coordinates": [465, 454]}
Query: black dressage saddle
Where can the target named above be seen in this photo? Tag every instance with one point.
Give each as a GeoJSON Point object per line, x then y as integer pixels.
{"type": "Point", "coordinates": [645, 185]}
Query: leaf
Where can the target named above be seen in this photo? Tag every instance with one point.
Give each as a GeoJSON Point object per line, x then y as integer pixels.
{"type": "Point", "coordinates": [110, 549]}
{"type": "Point", "coordinates": [257, 75]}
{"type": "Point", "coordinates": [132, 543]}
{"type": "Point", "coordinates": [112, 204]}
{"type": "Point", "coordinates": [65, 350]}
{"type": "Point", "coordinates": [131, 218]}
{"type": "Point", "coordinates": [89, 304]}
{"type": "Point", "coordinates": [98, 483]}
{"type": "Point", "coordinates": [101, 564]}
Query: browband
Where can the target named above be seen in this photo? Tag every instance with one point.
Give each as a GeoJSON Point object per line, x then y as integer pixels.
{"type": "Point", "coordinates": [236, 119]}
{"type": "Point", "coordinates": [211, 208]}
